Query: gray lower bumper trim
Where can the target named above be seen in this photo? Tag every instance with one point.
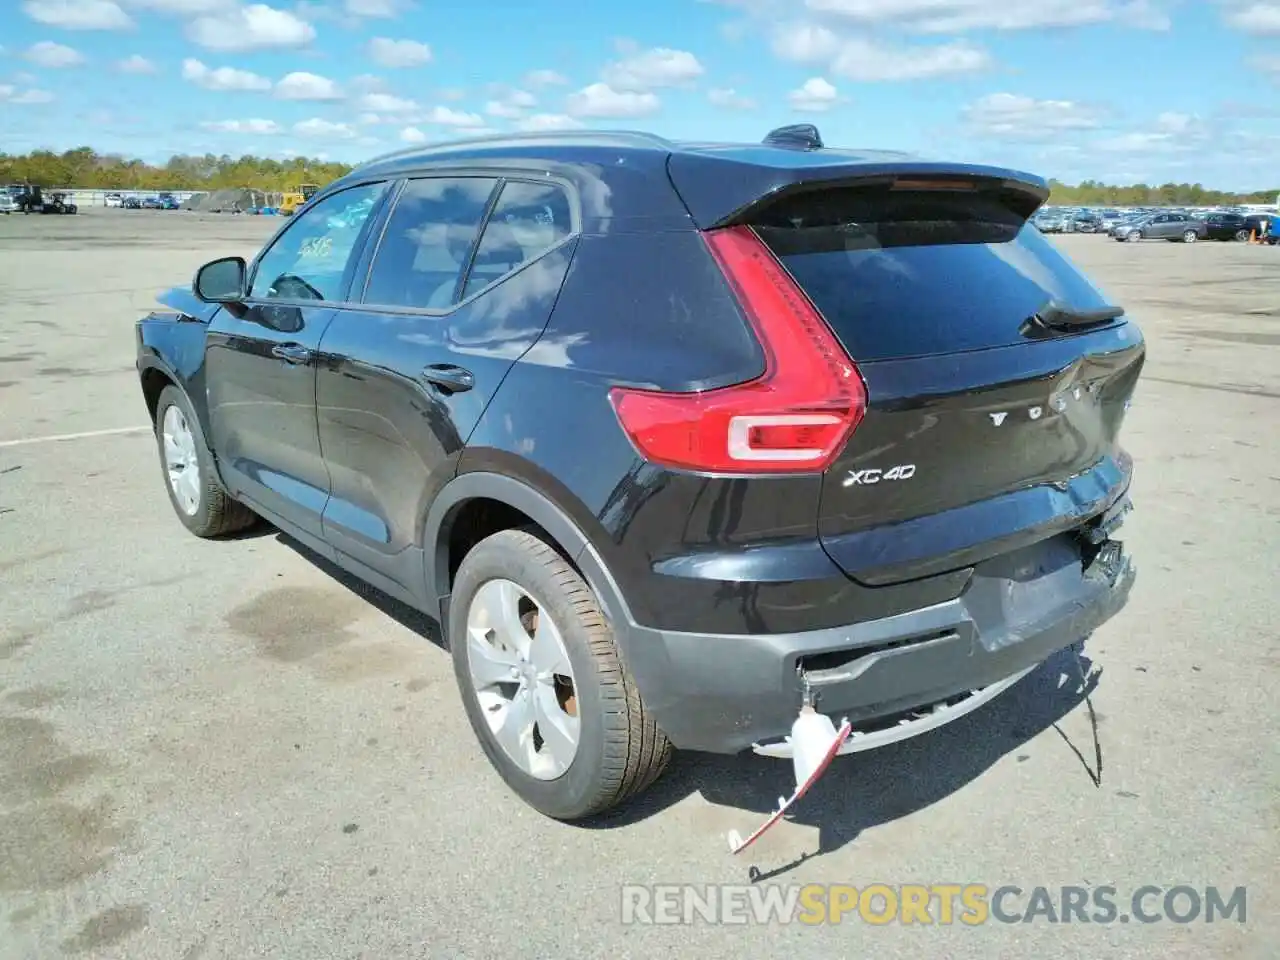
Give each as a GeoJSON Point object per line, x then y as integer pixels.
{"type": "Point", "coordinates": [940, 716]}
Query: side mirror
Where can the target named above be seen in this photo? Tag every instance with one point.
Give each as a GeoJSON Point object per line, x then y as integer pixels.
{"type": "Point", "coordinates": [221, 281]}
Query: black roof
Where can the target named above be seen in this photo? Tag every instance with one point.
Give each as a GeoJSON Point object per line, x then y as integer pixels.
{"type": "Point", "coordinates": [715, 180]}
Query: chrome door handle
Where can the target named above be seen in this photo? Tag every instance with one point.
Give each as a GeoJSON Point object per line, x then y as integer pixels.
{"type": "Point", "coordinates": [449, 377]}
{"type": "Point", "coordinates": [291, 352]}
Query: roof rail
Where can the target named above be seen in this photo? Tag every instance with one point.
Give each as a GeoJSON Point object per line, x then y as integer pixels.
{"type": "Point", "coordinates": [630, 137]}
{"type": "Point", "coordinates": [804, 136]}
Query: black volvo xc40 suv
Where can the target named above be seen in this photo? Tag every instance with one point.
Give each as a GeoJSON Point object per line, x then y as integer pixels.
{"type": "Point", "coordinates": [666, 434]}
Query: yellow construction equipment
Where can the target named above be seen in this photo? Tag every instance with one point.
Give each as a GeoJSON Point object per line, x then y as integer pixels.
{"type": "Point", "coordinates": [294, 197]}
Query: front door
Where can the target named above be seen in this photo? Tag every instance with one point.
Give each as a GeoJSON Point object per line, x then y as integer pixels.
{"type": "Point", "coordinates": [261, 361]}
{"type": "Point", "coordinates": [452, 300]}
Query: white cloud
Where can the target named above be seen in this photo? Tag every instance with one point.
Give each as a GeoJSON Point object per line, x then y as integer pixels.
{"type": "Point", "coordinates": [373, 9]}
{"type": "Point", "coordinates": [253, 27]}
{"type": "Point", "coordinates": [1175, 122]}
{"type": "Point", "coordinates": [512, 105]}
{"type": "Point", "coordinates": [548, 121]}
{"type": "Point", "coordinates": [497, 108]}
{"type": "Point", "coordinates": [805, 42]}
{"type": "Point", "coordinates": [54, 55]}
{"type": "Point", "coordinates": [726, 98]}
{"type": "Point", "coordinates": [413, 135]}
{"type": "Point", "coordinates": [1170, 134]}
{"type": "Point", "coordinates": [254, 126]}
{"type": "Point", "coordinates": [1138, 142]}
{"type": "Point", "coordinates": [223, 78]}
{"type": "Point", "coordinates": [958, 16]}
{"type": "Point", "coordinates": [398, 53]}
{"type": "Point", "coordinates": [135, 64]}
{"type": "Point", "coordinates": [181, 8]}
{"type": "Point", "coordinates": [11, 94]}
{"type": "Point", "coordinates": [652, 69]}
{"type": "Point", "coordinates": [545, 78]}
{"type": "Point", "coordinates": [1259, 18]}
{"type": "Point", "coordinates": [602, 100]}
{"type": "Point", "coordinates": [301, 85]}
{"type": "Point", "coordinates": [1012, 117]}
{"type": "Point", "coordinates": [447, 116]}
{"type": "Point", "coordinates": [1269, 65]}
{"type": "Point", "coordinates": [386, 103]}
{"type": "Point", "coordinates": [864, 60]}
{"type": "Point", "coordinates": [318, 129]}
{"type": "Point", "coordinates": [78, 14]}
{"type": "Point", "coordinates": [815, 95]}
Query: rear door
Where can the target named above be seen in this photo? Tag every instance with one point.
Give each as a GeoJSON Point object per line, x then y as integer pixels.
{"type": "Point", "coordinates": [985, 429]}
{"type": "Point", "coordinates": [461, 284]}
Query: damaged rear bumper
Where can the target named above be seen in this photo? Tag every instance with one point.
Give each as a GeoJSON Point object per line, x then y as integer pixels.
{"type": "Point", "coordinates": [892, 678]}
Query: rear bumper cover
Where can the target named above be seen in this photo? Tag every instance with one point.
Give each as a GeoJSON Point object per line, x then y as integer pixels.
{"type": "Point", "coordinates": [726, 693]}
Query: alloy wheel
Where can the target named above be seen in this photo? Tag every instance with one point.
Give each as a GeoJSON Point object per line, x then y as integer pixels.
{"type": "Point", "coordinates": [522, 679]}
{"type": "Point", "coordinates": [181, 464]}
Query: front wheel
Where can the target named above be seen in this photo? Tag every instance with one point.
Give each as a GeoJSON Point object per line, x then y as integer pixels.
{"type": "Point", "coordinates": [1190, 237]}
{"type": "Point", "coordinates": [1135, 236]}
{"type": "Point", "coordinates": [543, 684]}
{"type": "Point", "coordinates": [1242, 235]}
{"type": "Point", "coordinates": [195, 492]}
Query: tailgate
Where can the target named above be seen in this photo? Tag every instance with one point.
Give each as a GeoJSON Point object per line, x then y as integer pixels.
{"type": "Point", "coordinates": [997, 375]}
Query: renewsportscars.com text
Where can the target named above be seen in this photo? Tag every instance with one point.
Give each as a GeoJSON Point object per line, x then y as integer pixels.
{"type": "Point", "coordinates": [923, 904]}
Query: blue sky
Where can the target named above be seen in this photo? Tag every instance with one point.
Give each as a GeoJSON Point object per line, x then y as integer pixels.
{"type": "Point", "coordinates": [1116, 90]}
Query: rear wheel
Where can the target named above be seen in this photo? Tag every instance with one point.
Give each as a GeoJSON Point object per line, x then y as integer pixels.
{"type": "Point", "coordinates": [543, 684]}
{"type": "Point", "coordinates": [198, 498]}
{"type": "Point", "coordinates": [1190, 236]}
{"type": "Point", "coordinates": [1242, 235]}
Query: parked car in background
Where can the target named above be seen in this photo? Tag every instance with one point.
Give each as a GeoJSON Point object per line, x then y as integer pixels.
{"type": "Point", "coordinates": [1049, 222]}
{"type": "Point", "coordinates": [151, 203]}
{"type": "Point", "coordinates": [1163, 226]}
{"type": "Point", "coordinates": [112, 200]}
{"type": "Point", "coordinates": [168, 201]}
{"type": "Point", "coordinates": [467, 375]}
{"type": "Point", "coordinates": [1083, 223]}
{"type": "Point", "coordinates": [1225, 226]}
{"type": "Point", "coordinates": [131, 203]}
{"type": "Point", "coordinates": [7, 203]}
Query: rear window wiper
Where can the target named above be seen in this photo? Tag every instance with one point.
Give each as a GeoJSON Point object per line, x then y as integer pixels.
{"type": "Point", "coordinates": [1055, 317]}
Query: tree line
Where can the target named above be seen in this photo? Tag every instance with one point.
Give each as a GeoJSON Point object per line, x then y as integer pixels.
{"type": "Point", "coordinates": [86, 168]}
{"type": "Point", "coordinates": [1091, 193]}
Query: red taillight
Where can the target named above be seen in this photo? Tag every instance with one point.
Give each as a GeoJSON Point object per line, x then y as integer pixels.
{"type": "Point", "coordinates": [794, 418]}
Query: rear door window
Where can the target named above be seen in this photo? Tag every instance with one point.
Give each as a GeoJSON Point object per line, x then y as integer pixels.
{"type": "Point", "coordinates": [528, 220]}
{"type": "Point", "coordinates": [428, 242]}
{"type": "Point", "coordinates": [915, 273]}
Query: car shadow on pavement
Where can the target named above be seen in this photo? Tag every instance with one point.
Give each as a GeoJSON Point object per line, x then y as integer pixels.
{"type": "Point", "coordinates": [865, 790]}
{"type": "Point", "coordinates": [860, 791]}
{"type": "Point", "coordinates": [405, 615]}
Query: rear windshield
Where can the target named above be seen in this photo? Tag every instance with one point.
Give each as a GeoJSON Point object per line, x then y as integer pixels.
{"type": "Point", "coordinates": [903, 274]}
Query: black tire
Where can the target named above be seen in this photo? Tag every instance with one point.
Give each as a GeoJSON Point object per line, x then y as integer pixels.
{"type": "Point", "coordinates": [1242, 235]}
{"type": "Point", "coordinates": [621, 751]}
{"type": "Point", "coordinates": [216, 514]}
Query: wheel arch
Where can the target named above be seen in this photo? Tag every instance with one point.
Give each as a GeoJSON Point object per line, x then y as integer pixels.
{"type": "Point", "coordinates": [482, 487]}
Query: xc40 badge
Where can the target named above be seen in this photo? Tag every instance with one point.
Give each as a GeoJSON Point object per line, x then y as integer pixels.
{"type": "Point", "coordinates": [872, 475]}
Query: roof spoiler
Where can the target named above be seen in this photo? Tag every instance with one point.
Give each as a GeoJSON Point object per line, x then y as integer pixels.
{"type": "Point", "coordinates": [723, 189]}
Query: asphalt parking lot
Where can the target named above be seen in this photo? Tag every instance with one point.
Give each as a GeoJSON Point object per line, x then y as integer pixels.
{"type": "Point", "coordinates": [224, 749]}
